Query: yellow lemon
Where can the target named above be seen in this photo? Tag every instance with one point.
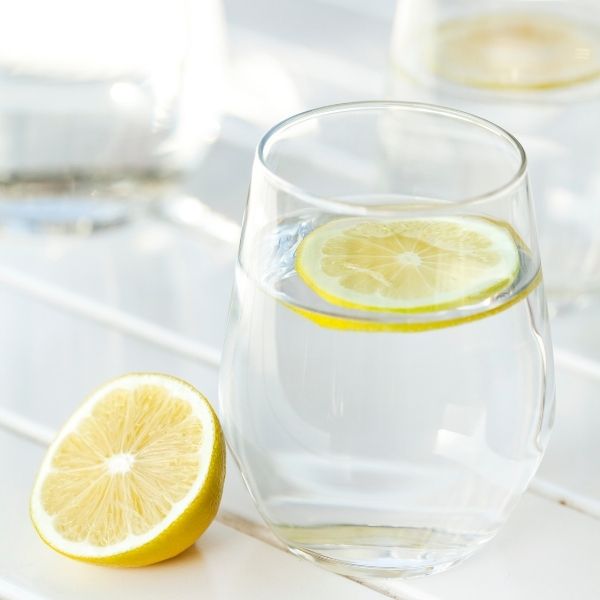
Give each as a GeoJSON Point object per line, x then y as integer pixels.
{"type": "Point", "coordinates": [135, 475]}
{"type": "Point", "coordinates": [408, 265]}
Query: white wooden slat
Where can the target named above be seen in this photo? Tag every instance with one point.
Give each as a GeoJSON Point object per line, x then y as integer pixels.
{"type": "Point", "coordinates": [382, 9]}
{"type": "Point", "coordinates": [544, 551]}
{"type": "Point", "coordinates": [172, 278]}
{"type": "Point", "coordinates": [51, 359]}
{"type": "Point", "coordinates": [309, 76]}
{"type": "Point", "coordinates": [576, 362]}
{"type": "Point", "coordinates": [13, 421]}
{"type": "Point", "coordinates": [222, 177]}
{"type": "Point", "coordinates": [571, 461]}
{"type": "Point", "coordinates": [577, 331]}
{"type": "Point", "coordinates": [357, 38]}
{"type": "Point", "coordinates": [115, 319]}
{"type": "Point", "coordinates": [566, 496]}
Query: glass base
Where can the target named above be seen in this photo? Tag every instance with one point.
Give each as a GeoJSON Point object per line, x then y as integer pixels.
{"type": "Point", "coordinates": [382, 551]}
{"type": "Point", "coordinates": [64, 215]}
{"type": "Point", "coordinates": [404, 570]}
{"type": "Point", "coordinates": [81, 203]}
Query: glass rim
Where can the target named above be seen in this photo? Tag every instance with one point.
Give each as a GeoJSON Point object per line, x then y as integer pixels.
{"type": "Point", "coordinates": [338, 205]}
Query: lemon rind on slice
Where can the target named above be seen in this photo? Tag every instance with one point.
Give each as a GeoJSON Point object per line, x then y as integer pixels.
{"type": "Point", "coordinates": [187, 519]}
{"type": "Point", "coordinates": [363, 325]}
{"type": "Point", "coordinates": [308, 266]}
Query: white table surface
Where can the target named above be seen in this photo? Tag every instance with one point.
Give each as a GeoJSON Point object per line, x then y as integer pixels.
{"type": "Point", "coordinates": [150, 296]}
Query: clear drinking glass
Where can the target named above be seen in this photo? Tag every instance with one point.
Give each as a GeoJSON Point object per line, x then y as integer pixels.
{"type": "Point", "coordinates": [533, 67]}
{"type": "Point", "coordinates": [103, 106]}
{"type": "Point", "coordinates": [388, 410]}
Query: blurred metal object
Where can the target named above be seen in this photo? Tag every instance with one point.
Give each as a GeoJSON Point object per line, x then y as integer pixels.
{"type": "Point", "coordinates": [103, 105]}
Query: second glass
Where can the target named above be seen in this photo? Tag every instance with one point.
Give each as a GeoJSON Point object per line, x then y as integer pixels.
{"type": "Point", "coordinates": [104, 108]}
{"type": "Point", "coordinates": [533, 67]}
{"type": "Point", "coordinates": [387, 381]}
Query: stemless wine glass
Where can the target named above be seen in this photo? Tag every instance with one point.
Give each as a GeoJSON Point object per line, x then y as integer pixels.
{"type": "Point", "coordinates": [533, 67]}
{"type": "Point", "coordinates": [387, 380]}
{"type": "Point", "coordinates": [105, 106]}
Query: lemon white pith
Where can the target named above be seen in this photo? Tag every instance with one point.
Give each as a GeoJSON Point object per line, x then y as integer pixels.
{"type": "Point", "coordinates": [407, 265]}
{"type": "Point", "coordinates": [135, 476]}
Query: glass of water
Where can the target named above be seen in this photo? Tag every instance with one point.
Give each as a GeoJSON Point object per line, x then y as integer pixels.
{"type": "Point", "coordinates": [533, 67]}
{"type": "Point", "coordinates": [387, 380]}
{"type": "Point", "coordinates": [104, 105]}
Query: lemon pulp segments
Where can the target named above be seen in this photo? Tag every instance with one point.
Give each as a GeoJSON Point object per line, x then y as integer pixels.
{"type": "Point", "coordinates": [410, 265]}
{"type": "Point", "coordinates": [135, 476]}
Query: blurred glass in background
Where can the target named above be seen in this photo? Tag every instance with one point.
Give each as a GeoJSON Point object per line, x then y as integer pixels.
{"type": "Point", "coordinates": [103, 106]}
{"type": "Point", "coordinates": [533, 67]}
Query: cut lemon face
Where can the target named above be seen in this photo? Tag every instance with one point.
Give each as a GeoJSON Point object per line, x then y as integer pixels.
{"type": "Point", "coordinates": [516, 51]}
{"type": "Point", "coordinates": [135, 476]}
{"type": "Point", "coordinates": [408, 266]}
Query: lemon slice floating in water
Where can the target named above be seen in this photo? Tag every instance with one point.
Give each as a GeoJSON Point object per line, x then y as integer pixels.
{"type": "Point", "coordinates": [135, 476]}
{"type": "Point", "coordinates": [409, 265]}
{"type": "Point", "coordinates": [517, 51]}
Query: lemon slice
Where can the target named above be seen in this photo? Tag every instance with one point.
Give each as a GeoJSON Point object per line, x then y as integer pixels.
{"type": "Point", "coordinates": [516, 51]}
{"type": "Point", "coordinates": [408, 266]}
{"type": "Point", "coordinates": [135, 476]}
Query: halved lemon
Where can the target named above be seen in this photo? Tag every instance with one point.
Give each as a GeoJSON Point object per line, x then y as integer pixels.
{"type": "Point", "coordinates": [135, 476]}
{"type": "Point", "coordinates": [408, 265]}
